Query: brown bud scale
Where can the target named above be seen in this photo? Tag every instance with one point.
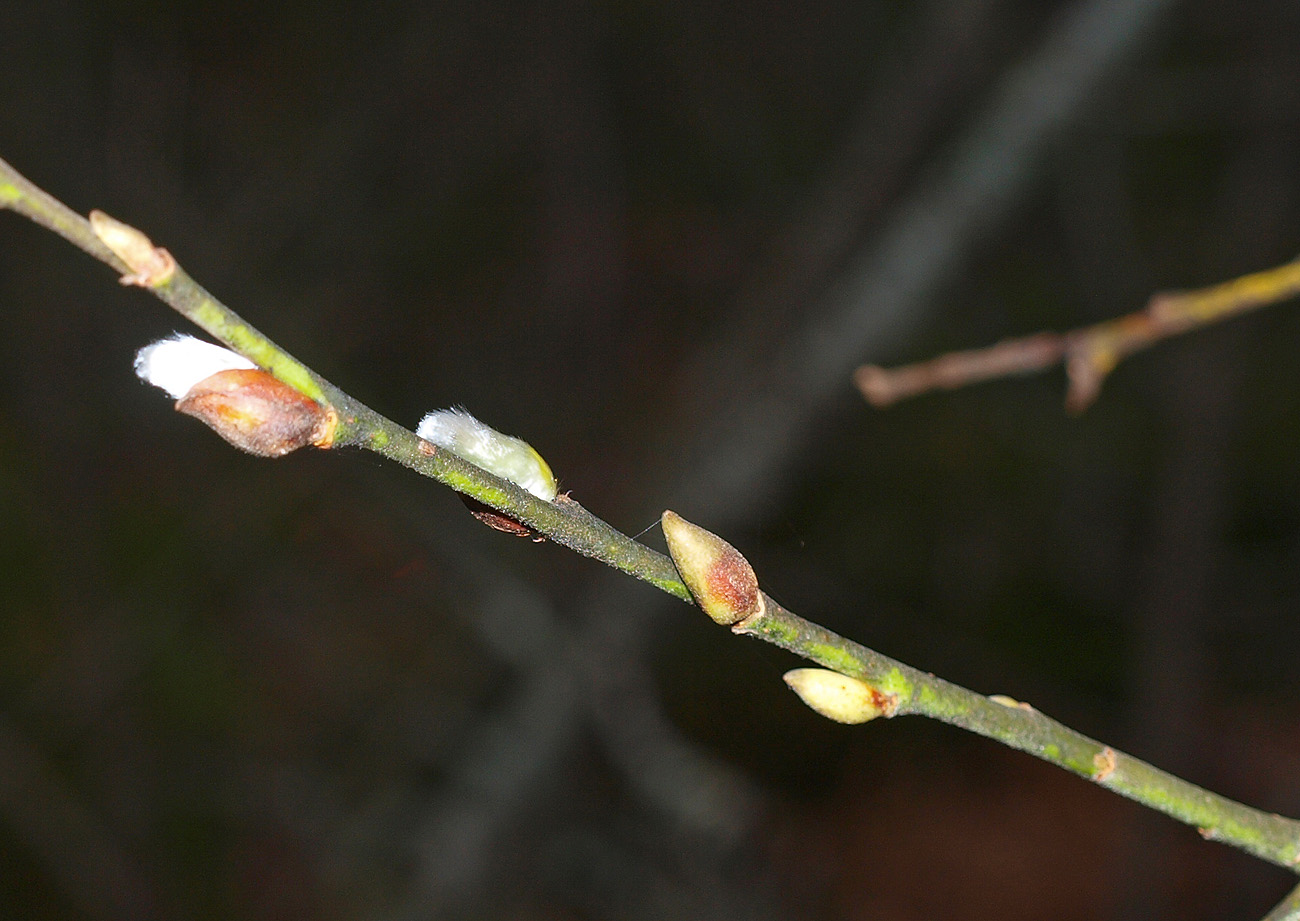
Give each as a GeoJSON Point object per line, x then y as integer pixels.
{"type": "Point", "coordinates": [731, 582]}
{"type": "Point", "coordinates": [257, 413]}
{"type": "Point", "coordinates": [499, 521]}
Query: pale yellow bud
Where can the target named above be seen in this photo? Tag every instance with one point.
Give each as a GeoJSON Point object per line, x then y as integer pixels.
{"type": "Point", "coordinates": [150, 265]}
{"type": "Point", "coordinates": [839, 697]}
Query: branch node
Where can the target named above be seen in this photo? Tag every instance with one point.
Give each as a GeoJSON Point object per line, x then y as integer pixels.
{"type": "Point", "coordinates": [1104, 762]}
{"type": "Point", "coordinates": [150, 265]}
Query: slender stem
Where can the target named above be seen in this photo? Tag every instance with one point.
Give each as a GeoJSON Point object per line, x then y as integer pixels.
{"type": "Point", "coordinates": [18, 193]}
{"type": "Point", "coordinates": [1265, 835]}
{"type": "Point", "coordinates": [1286, 910]}
{"type": "Point", "coordinates": [564, 521]}
{"type": "Point", "coordinates": [1089, 353]}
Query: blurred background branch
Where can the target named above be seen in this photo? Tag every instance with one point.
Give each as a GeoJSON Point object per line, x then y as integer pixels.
{"type": "Point", "coordinates": [1089, 354]}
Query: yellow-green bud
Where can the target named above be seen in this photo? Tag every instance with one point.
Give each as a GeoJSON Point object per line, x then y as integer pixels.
{"type": "Point", "coordinates": [720, 579]}
{"type": "Point", "coordinates": [839, 697]}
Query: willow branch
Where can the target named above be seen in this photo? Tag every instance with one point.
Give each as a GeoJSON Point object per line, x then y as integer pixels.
{"type": "Point", "coordinates": [564, 521]}
{"type": "Point", "coordinates": [725, 587]}
{"type": "Point", "coordinates": [898, 688]}
{"type": "Point", "coordinates": [907, 690]}
{"type": "Point", "coordinates": [1089, 353]}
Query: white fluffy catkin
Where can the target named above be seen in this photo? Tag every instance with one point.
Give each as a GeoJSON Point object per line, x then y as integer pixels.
{"type": "Point", "coordinates": [508, 457]}
{"type": "Point", "coordinates": [179, 362]}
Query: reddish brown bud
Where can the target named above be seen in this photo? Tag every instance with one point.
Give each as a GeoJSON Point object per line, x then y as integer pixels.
{"type": "Point", "coordinates": [720, 579]}
{"type": "Point", "coordinates": [259, 414]}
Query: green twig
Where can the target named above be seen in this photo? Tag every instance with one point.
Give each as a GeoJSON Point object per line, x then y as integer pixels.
{"type": "Point", "coordinates": [1286, 910]}
{"type": "Point", "coordinates": [564, 521]}
{"type": "Point", "coordinates": [726, 587]}
{"type": "Point", "coordinates": [1265, 835]}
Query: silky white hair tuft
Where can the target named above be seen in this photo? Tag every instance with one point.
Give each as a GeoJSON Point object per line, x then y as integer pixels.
{"type": "Point", "coordinates": [179, 362]}
{"type": "Point", "coordinates": [508, 457]}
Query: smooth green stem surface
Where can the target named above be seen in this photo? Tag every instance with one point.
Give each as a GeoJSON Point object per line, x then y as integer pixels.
{"type": "Point", "coordinates": [1286, 910]}
{"type": "Point", "coordinates": [17, 193]}
{"type": "Point", "coordinates": [564, 521]}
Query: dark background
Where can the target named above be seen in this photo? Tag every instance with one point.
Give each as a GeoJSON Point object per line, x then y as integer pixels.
{"type": "Point", "coordinates": [653, 239]}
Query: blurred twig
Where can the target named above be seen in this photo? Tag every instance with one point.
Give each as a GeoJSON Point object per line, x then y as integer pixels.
{"type": "Point", "coordinates": [1286, 910]}
{"type": "Point", "coordinates": [1089, 353]}
{"type": "Point", "coordinates": [889, 283]}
